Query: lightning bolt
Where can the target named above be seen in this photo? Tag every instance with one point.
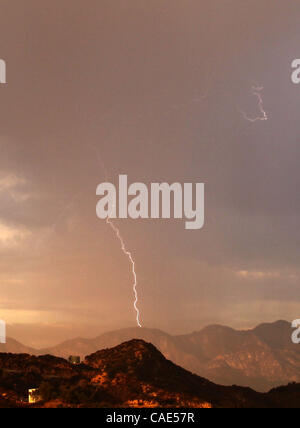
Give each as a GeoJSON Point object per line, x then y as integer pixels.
{"type": "Point", "coordinates": [130, 257]}
{"type": "Point", "coordinates": [123, 246]}
{"type": "Point", "coordinates": [256, 91]}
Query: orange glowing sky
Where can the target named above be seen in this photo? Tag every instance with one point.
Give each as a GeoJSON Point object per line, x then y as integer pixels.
{"type": "Point", "coordinates": [154, 89]}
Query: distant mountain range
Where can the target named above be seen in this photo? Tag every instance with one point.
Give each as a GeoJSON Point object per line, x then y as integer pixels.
{"type": "Point", "coordinates": [262, 358]}
{"type": "Point", "coordinates": [133, 374]}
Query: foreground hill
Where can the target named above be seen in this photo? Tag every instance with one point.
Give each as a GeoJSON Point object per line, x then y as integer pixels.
{"type": "Point", "coordinates": [262, 358]}
{"type": "Point", "coordinates": [133, 374]}
{"type": "Point", "coordinates": [166, 343]}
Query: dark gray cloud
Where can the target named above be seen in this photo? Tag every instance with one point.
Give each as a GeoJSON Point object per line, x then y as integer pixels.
{"type": "Point", "coordinates": [155, 90]}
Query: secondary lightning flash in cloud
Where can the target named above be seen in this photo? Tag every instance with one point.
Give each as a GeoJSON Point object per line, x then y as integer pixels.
{"type": "Point", "coordinates": [130, 257]}
{"type": "Point", "coordinates": [257, 92]}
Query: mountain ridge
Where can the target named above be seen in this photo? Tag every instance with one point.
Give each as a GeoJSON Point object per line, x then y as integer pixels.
{"type": "Point", "coordinates": [262, 358]}
{"type": "Point", "coordinates": [132, 374]}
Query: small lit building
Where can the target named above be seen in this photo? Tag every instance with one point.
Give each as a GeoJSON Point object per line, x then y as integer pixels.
{"type": "Point", "coordinates": [34, 396]}
{"type": "Point", "coordinates": [74, 360]}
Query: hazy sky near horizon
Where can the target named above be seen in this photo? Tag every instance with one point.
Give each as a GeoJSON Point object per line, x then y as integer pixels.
{"type": "Point", "coordinates": [160, 91]}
